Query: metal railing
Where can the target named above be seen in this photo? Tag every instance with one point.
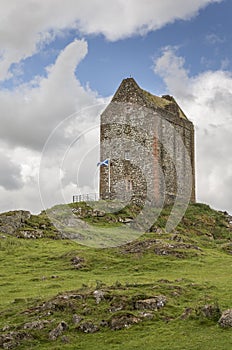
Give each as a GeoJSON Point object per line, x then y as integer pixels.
{"type": "Point", "coordinates": [89, 197]}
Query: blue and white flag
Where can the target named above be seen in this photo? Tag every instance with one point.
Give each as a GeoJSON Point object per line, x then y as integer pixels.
{"type": "Point", "coordinates": [104, 162]}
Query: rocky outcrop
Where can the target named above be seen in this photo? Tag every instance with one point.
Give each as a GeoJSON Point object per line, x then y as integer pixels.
{"type": "Point", "coordinates": [22, 224]}
{"type": "Point", "coordinates": [160, 247]}
{"type": "Point", "coordinates": [29, 233]}
{"type": "Point", "coordinates": [13, 339]}
{"type": "Point", "coordinates": [11, 221]}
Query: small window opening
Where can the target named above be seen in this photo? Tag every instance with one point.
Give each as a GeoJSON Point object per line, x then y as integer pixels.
{"type": "Point", "coordinates": [127, 155]}
{"type": "Point", "coordinates": [129, 185]}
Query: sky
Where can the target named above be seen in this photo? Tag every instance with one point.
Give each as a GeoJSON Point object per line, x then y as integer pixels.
{"type": "Point", "coordinates": [61, 62]}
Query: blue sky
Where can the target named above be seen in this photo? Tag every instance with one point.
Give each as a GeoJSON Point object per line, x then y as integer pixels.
{"type": "Point", "coordinates": [205, 41]}
{"type": "Point", "coordinates": [59, 58]}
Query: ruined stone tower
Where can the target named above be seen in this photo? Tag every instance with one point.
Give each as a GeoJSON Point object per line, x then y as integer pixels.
{"type": "Point", "coordinates": [148, 145]}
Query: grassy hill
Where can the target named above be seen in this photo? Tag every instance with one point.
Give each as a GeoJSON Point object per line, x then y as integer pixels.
{"type": "Point", "coordinates": [162, 291]}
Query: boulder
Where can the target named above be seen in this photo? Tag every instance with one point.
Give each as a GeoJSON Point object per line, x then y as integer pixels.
{"type": "Point", "coordinates": [118, 322]}
{"type": "Point", "coordinates": [154, 303]}
{"type": "Point", "coordinates": [76, 319]}
{"type": "Point", "coordinates": [40, 324]}
{"type": "Point", "coordinates": [187, 313]}
{"type": "Point", "coordinates": [88, 327]}
{"type": "Point", "coordinates": [226, 318]}
{"type": "Point", "coordinates": [146, 315]}
{"type": "Point", "coordinates": [77, 262]}
{"type": "Point", "coordinates": [12, 340]}
{"type": "Point", "coordinates": [98, 295]}
{"type": "Point", "coordinates": [212, 312]}
{"type": "Point", "coordinates": [56, 332]}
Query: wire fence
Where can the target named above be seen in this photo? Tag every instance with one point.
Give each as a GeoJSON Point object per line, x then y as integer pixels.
{"type": "Point", "coordinates": [90, 197]}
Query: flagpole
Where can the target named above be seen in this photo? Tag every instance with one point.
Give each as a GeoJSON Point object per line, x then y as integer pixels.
{"type": "Point", "coordinates": [109, 177]}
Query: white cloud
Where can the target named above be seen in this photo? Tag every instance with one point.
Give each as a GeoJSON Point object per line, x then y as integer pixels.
{"type": "Point", "coordinates": [169, 67]}
{"type": "Point", "coordinates": [206, 99]}
{"type": "Point", "coordinates": [10, 174]}
{"type": "Point", "coordinates": [27, 25]}
{"type": "Point", "coordinates": [26, 195]}
{"type": "Point", "coordinates": [225, 63]}
{"type": "Point", "coordinates": [56, 105]}
{"type": "Point", "coordinates": [40, 105]}
{"type": "Point", "coordinates": [213, 39]}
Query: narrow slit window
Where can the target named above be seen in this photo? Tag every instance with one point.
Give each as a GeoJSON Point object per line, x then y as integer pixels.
{"type": "Point", "coordinates": [127, 155]}
{"type": "Point", "coordinates": [129, 185]}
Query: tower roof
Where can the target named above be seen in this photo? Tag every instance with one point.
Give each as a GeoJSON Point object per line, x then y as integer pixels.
{"type": "Point", "coordinates": [129, 91]}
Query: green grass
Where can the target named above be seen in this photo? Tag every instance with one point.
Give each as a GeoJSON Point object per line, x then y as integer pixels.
{"type": "Point", "coordinates": [35, 271]}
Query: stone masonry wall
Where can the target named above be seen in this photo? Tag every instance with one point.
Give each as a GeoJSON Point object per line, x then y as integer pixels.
{"type": "Point", "coordinates": [151, 150]}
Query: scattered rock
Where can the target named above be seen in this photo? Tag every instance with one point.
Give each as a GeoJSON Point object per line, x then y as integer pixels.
{"type": "Point", "coordinates": [123, 321]}
{"type": "Point", "coordinates": [40, 324]}
{"type": "Point", "coordinates": [98, 213]}
{"type": "Point", "coordinates": [30, 234]}
{"type": "Point", "coordinates": [87, 311]}
{"type": "Point", "coordinates": [138, 246]}
{"type": "Point", "coordinates": [156, 229]}
{"type": "Point", "coordinates": [211, 312]}
{"type": "Point", "coordinates": [116, 307]}
{"type": "Point", "coordinates": [160, 247]}
{"type": "Point", "coordinates": [98, 295]}
{"type": "Point", "coordinates": [125, 220]}
{"type": "Point", "coordinates": [85, 212]}
{"type": "Point", "coordinates": [77, 262]}
{"type": "Point", "coordinates": [56, 332]}
{"type": "Point", "coordinates": [187, 312]}
{"type": "Point", "coordinates": [228, 218]}
{"type": "Point", "coordinates": [88, 327]}
{"type": "Point", "coordinates": [43, 226]}
{"type": "Point", "coordinates": [118, 304]}
{"type": "Point", "coordinates": [165, 281]}
{"type": "Point", "coordinates": [65, 339]}
{"type": "Point", "coordinates": [226, 318]}
{"type": "Point", "coordinates": [104, 323]}
{"type": "Point", "coordinates": [147, 315]}
{"type": "Point", "coordinates": [154, 303]}
{"type": "Point", "coordinates": [69, 220]}
{"type": "Point", "coordinates": [13, 339]}
{"type": "Point", "coordinates": [177, 238]}
{"type": "Point", "coordinates": [227, 247]}
{"type": "Point", "coordinates": [77, 319]}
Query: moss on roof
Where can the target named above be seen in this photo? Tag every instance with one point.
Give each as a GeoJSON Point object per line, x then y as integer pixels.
{"type": "Point", "coordinates": [162, 102]}
{"type": "Point", "coordinates": [156, 100]}
{"type": "Point", "coordinates": [130, 91]}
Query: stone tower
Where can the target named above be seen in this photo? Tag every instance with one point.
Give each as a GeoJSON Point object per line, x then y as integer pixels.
{"type": "Point", "coordinates": [148, 143]}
